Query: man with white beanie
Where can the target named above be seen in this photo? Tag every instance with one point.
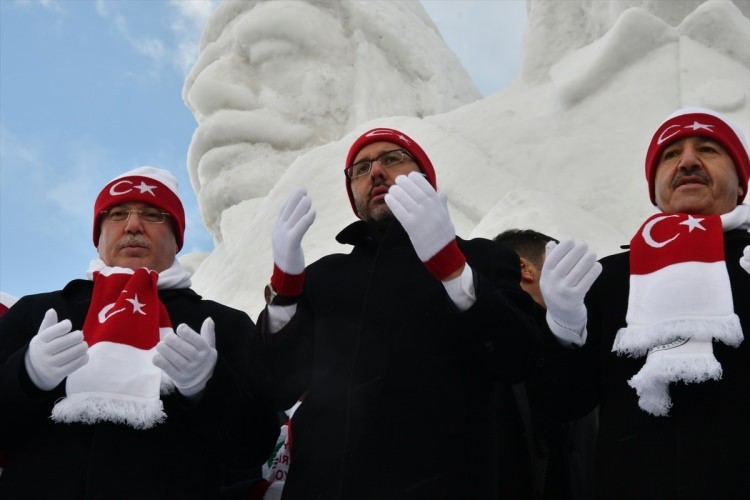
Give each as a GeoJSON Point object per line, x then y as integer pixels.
{"type": "Point", "coordinates": [658, 339]}
{"type": "Point", "coordinates": [128, 384]}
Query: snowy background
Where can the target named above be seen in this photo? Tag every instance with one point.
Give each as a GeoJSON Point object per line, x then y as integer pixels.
{"type": "Point", "coordinates": [560, 150]}
{"type": "Point", "coordinates": [280, 90]}
{"type": "Point", "coordinates": [89, 89]}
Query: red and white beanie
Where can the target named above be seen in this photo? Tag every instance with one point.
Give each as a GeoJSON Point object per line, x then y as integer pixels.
{"type": "Point", "coordinates": [689, 122]}
{"type": "Point", "coordinates": [396, 137]}
{"type": "Point", "coordinates": [153, 186]}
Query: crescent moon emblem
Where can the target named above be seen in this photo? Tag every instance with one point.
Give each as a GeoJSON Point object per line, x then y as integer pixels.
{"type": "Point", "coordinates": [664, 136]}
{"type": "Point", "coordinates": [103, 316]}
{"type": "Point", "coordinates": [113, 190]}
{"type": "Point", "coordinates": [647, 232]}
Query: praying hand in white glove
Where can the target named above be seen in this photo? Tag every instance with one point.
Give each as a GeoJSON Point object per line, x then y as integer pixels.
{"type": "Point", "coordinates": [569, 270]}
{"type": "Point", "coordinates": [745, 259]}
{"type": "Point", "coordinates": [295, 218]}
{"type": "Point", "coordinates": [423, 212]}
{"type": "Point", "coordinates": [739, 218]}
{"type": "Point", "coordinates": [188, 358]}
{"type": "Point", "coordinates": [55, 352]}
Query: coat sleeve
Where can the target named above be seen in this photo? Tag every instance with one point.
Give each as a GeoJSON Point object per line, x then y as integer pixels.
{"type": "Point", "coordinates": [289, 355]}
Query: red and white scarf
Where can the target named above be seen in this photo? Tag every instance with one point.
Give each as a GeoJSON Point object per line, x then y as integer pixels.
{"type": "Point", "coordinates": [125, 321]}
{"type": "Point", "coordinates": [680, 302]}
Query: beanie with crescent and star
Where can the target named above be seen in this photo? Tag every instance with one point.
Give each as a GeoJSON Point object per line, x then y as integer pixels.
{"type": "Point", "coordinates": [153, 186]}
{"type": "Point", "coordinates": [703, 122]}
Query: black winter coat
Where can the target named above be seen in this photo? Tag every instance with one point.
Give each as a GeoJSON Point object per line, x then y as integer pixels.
{"type": "Point", "coordinates": [398, 382]}
{"type": "Point", "coordinates": [228, 433]}
{"type": "Point", "coordinates": [700, 449]}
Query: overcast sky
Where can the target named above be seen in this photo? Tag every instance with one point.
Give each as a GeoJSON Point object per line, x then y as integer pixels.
{"type": "Point", "coordinates": [89, 89]}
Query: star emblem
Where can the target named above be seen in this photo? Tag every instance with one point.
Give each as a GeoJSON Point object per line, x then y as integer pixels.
{"type": "Point", "coordinates": [700, 126]}
{"type": "Point", "coordinates": [137, 306]}
{"type": "Point", "coordinates": [693, 223]}
{"type": "Point", "coordinates": [143, 188]}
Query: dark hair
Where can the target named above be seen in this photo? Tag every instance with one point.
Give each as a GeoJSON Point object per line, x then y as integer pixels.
{"type": "Point", "coordinates": [527, 243]}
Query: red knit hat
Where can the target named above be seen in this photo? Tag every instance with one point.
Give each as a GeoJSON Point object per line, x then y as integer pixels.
{"type": "Point", "coordinates": [689, 122]}
{"type": "Point", "coordinates": [153, 186]}
{"type": "Point", "coordinates": [396, 137]}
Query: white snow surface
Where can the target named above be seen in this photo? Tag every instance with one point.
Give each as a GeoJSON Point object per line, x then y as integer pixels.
{"type": "Point", "coordinates": [282, 88]}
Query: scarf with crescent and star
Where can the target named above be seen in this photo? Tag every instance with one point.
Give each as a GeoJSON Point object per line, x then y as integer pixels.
{"type": "Point", "coordinates": [680, 301]}
{"type": "Point", "coordinates": [125, 321]}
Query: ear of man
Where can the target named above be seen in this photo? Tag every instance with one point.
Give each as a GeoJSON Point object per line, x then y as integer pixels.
{"type": "Point", "coordinates": [529, 272]}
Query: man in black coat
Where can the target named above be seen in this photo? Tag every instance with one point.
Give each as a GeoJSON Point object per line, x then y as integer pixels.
{"type": "Point", "coordinates": [128, 384]}
{"type": "Point", "coordinates": [397, 344]}
{"type": "Point", "coordinates": [659, 342]}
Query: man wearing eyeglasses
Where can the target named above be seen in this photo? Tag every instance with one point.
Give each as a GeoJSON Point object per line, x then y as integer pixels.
{"type": "Point", "coordinates": [128, 384]}
{"type": "Point", "coordinates": [397, 343]}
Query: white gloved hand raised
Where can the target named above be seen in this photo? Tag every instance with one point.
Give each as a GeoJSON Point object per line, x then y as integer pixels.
{"type": "Point", "coordinates": [745, 259]}
{"type": "Point", "coordinates": [295, 218]}
{"type": "Point", "coordinates": [569, 270]}
{"type": "Point", "coordinates": [739, 218]}
{"type": "Point", "coordinates": [423, 212]}
{"type": "Point", "coordinates": [187, 357]}
{"type": "Point", "coordinates": [55, 352]}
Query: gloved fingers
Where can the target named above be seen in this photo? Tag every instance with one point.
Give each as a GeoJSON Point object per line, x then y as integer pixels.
{"type": "Point", "coordinates": [420, 181]}
{"type": "Point", "coordinates": [50, 318]}
{"type": "Point", "coordinates": [580, 269]}
{"type": "Point", "coordinates": [303, 206]}
{"type": "Point", "coordinates": [399, 202]}
{"type": "Point", "coordinates": [291, 203]}
{"type": "Point", "coordinates": [592, 272]}
{"type": "Point", "coordinates": [408, 193]}
{"type": "Point", "coordinates": [208, 332]}
{"type": "Point", "coordinates": [163, 363]}
{"type": "Point", "coordinates": [69, 343]}
{"type": "Point", "coordinates": [186, 341]}
{"type": "Point", "coordinates": [302, 219]}
{"type": "Point", "coordinates": [555, 252]}
{"type": "Point", "coordinates": [745, 259]}
{"type": "Point", "coordinates": [737, 218]}
{"type": "Point", "coordinates": [73, 358]}
{"type": "Point", "coordinates": [55, 332]}
{"type": "Point", "coordinates": [168, 358]}
{"type": "Point", "coordinates": [564, 257]}
{"type": "Point", "coordinates": [416, 186]}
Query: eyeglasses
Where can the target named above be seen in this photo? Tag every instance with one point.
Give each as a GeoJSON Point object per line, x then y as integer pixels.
{"type": "Point", "coordinates": [150, 215]}
{"type": "Point", "coordinates": [386, 160]}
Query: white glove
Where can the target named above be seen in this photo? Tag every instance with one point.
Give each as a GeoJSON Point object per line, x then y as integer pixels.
{"type": "Point", "coordinates": [55, 352]}
{"type": "Point", "coordinates": [569, 270]}
{"type": "Point", "coordinates": [739, 218]}
{"type": "Point", "coordinates": [295, 218]}
{"type": "Point", "coordinates": [423, 212]}
{"type": "Point", "coordinates": [187, 357]}
{"type": "Point", "coordinates": [745, 259]}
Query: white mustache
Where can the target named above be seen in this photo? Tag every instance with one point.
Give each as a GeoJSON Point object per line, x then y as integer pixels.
{"type": "Point", "coordinates": [133, 240]}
